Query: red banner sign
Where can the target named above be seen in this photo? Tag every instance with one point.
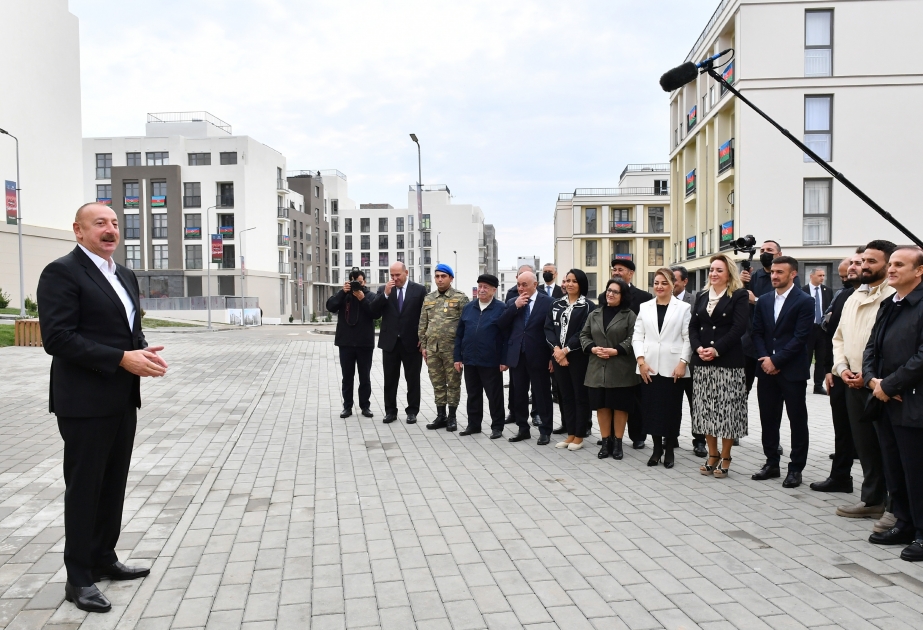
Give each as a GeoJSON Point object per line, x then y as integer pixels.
{"type": "Point", "coordinates": [217, 248]}
{"type": "Point", "coordinates": [12, 212]}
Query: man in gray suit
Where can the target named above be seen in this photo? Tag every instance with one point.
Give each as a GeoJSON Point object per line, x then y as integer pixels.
{"type": "Point", "coordinates": [680, 280]}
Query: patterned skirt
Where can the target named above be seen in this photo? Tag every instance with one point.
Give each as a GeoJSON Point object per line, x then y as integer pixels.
{"type": "Point", "coordinates": [720, 401]}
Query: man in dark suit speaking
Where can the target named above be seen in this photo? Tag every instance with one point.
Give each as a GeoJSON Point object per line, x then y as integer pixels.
{"type": "Point", "coordinates": [91, 324]}
{"type": "Point", "coordinates": [399, 303]}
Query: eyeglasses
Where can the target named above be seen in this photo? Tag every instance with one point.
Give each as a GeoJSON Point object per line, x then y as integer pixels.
{"type": "Point", "coordinates": [611, 292]}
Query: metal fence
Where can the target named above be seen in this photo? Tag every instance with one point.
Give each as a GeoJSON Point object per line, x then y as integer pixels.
{"type": "Point", "coordinates": [218, 303]}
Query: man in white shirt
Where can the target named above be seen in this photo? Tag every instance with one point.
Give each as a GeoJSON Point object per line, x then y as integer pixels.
{"type": "Point", "coordinates": [818, 344]}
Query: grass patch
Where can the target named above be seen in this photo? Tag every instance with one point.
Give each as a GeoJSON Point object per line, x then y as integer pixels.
{"type": "Point", "coordinates": [148, 322]}
{"type": "Point", "coordinates": [6, 335]}
{"type": "Point", "coordinates": [15, 311]}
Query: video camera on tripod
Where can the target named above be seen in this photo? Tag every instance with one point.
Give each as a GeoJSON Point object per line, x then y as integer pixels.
{"type": "Point", "coordinates": [746, 245]}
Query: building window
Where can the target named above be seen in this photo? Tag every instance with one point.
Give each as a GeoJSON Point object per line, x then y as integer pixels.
{"type": "Point", "coordinates": [104, 193]}
{"type": "Point", "coordinates": [348, 259]}
{"type": "Point", "coordinates": [192, 195]}
{"type": "Point", "coordinates": [194, 286]}
{"type": "Point", "coordinates": [200, 159]}
{"type": "Point", "coordinates": [364, 225]}
{"type": "Point", "coordinates": [133, 256]}
{"type": "Point", "coordinates": [818, 126]}
{"type": "Point", "coordinates": [228, 157]}
{"type": "Point", "coordinates": [400, 241]}
{"type": "Point", "coordinates": [347, 226]}
{"type": "Point", "coordinates": [193, 226]}
{"type": "Point", "coordinates": [225, 285]}
{"type": "Point", "coordinates": [817, 211]}
{"type": "Point", "coordinates": [425, 223]}
{"type": "Point", "coordinates": [161, 257]}
{"type": "Point", "coordinates": [818, 43]}
{"type": "Point", "coordinates": [334, 207]}
{"type": "Point", "coordinates": [226, 226]}
{"type": "Point", "coordinates": [226, 195]}
{"type": "Point", "coordinates": [383, 259]}
{"type": "Point", "coordinates": [158, 194]}
{"type": "Point", "coordinates": [335, 224]}
{"type": "Point", "coordinates": [336, 276]}
{"type": "Point", "coordinates": [620, 249]}
{"type": "Point", "coordinates": [130, 190]}
{"type": "Point", "coordinates": [591, 284]}
{"type": "Point", "coordinates": [655, 252]}
{"type": "Point", "coordinates": [301, 230]}
{"type": "Point", "coordinates": [317, 215]}
{"type": "Point", "coordinates": [348, 242]}
{"type": "Point", "coordinates": [159, 227]}
{"type": "Point", "coordinates": [335, 241]}
{"type": "Point", "coordinates": [383, 224]}
{"type": "Point", "coordinates": [335, 259]}
{"type": "Point", "coordinates": [103, 165]}
{"type": "Point", "coordinates": [227, 257]}
{"type": "Point", "coordinates": [655, 220]}
{"type": "Point", "coordinates": [410, 223]}
{"type": "Point", "coordinates": [590, 221]}
{"type": "Point", "coordinates": [410, 240]}
{"type": "Point", "coordinates": [158, 158]}
{"type": "Point", "coordinates": [382, 241]}
{"type": "Point", "coordinates": [591, 253]}
{"type": "Point", "coordinates": [365, 259]}
{"type": "Point", "coordinates": [399, 224]}
{"type": "Point", "coordinates": [132, 226]}
{"type": "Point", "coordinates": [400, 256]}
{"type": "Point", "coordinates": [383, 276]}
{"type": "Point", "coordinates": [193, 256]}
{"type": "Point", "coordinates": [410, 257]}
{"type": "Point", "coordinates": [661, 187]}
{"type": "Point", "coordinates": [133, 159]}
{"type": "Point", "coordinates": [365, 242]}
{"type": "Point", "coordinates": [317, 192]}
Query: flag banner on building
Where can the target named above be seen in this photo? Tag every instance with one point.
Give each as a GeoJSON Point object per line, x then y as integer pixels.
{"type": "Point", "coordinates": [690, 247]}
{"type": "Point", "coordinates": [105, 201]}
{"type": "Point", "coordinates": [692, 117]}
{"type": "Point", "coordinates": [12, 211]}
{"type": "Point", "coordinates": [727, 232]}
{"type": "Point", "coordinates": [132, 202]}
{"type": "Point", "coordinates": [623, 226]}
{"type": "Point", "coordinates": [226, 231]}
{"type": "Point", "coordinates": [217, 248]}
{"type": "Point", "coordinates": [193, 232]}
{"type": "Point", "coordinates": [690, 182]}
{"type": "Point", "coordinates": [621, 257]}
{"type": "Point", "coordinates": [158, 201]}
{"type": "Point", "coordinates": [728, 74]}
{"type": "Point", "coordinates": [725, 156]}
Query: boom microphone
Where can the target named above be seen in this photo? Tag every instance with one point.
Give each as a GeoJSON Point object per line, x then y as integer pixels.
{"type": "Point", "coordinates": [686, 73]}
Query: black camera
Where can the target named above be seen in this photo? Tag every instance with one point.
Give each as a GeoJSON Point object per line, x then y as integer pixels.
{"type": "Point", "coordinates": [747, 245]}
{"type": "Point", "coordinates": [355, 285]}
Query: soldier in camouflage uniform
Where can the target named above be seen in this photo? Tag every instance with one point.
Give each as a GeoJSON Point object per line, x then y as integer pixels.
{"type": "Point", "coordinates": [438, 321]}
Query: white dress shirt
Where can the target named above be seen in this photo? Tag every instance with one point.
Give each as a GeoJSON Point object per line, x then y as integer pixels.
{"type": "Point", "coordinates": [780, 301]}
{"type": "Point", "coordinates": [108, 270]}
{"type": "Point", "coordinates": [682, 296]}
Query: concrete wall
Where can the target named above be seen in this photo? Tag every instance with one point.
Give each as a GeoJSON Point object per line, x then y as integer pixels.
{"type": "Point", "coordinates": [40, 247]}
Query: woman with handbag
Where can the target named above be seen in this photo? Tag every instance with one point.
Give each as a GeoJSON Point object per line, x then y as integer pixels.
{"type": "Point", "coordinates": [610, 377]}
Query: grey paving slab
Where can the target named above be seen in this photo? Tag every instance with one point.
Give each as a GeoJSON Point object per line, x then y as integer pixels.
{"type": "Point", "coordinates": [259, 508]}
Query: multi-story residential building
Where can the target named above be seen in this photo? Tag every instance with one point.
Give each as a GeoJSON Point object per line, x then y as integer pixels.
{"type": "Point", "coordinates": [189, 178]}
{"type": "Point", "coordinates": [311, 282]}
{"type": "Point", "coordinates": [594, 226]}
{"type": "Point", "coordinates": [807, 65]}
{"type": "Point", "coordinates": [507, 278]}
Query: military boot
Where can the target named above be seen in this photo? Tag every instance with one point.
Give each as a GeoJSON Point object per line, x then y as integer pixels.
{"type": "Point", "coordinates": [440, 421]}
{"type": "Point", "coordinates": [450, 423]}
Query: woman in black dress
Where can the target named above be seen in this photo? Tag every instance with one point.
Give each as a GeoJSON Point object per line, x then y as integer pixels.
{"type": "Point", "coordinates": [610, 375]}
{"type": "Point", "coordinates": [562, 332]}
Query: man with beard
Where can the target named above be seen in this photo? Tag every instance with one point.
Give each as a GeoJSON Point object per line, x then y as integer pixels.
{"type": "Point", "coordinates": [844, 449]}
{"type": "Point", "coordinates": [759, 283]}
{"type": "Point", "coordinates": [849, 343]}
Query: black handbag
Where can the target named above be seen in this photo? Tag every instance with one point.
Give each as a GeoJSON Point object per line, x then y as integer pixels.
{"type": "Point", "coordinates": [874, 410]}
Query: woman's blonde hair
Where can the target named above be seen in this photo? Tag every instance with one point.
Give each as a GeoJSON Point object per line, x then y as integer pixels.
{"type": "Point", "coordinates": [734, 281]}
{"type": "Point", "coordinates": [667, 274]}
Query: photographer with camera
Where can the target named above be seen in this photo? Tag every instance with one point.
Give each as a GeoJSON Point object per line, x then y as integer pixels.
{"type": "Point", "coordinates": [355, 337]}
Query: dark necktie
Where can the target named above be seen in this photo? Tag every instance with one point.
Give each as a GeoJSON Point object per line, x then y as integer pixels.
{"type": "Point", "coordinates": [400, 300]}
{"type": "Point", "coordinates": [528, 313]}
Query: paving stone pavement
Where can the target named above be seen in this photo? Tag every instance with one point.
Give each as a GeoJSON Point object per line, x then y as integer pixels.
{"type": "Point", "coordinates": [258, 507]}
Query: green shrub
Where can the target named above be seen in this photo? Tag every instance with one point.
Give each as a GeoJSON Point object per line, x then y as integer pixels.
{"type": "Point", "coordinates": [4, 299]}
{"type": "Point", "coordinates": [328, 318]}
{"type": "Point", "coordinates": [313, 318]}
{"type": "Point", "coordinates": [31, 305]}
{"type": "Point", "coordinates": [291, 318]}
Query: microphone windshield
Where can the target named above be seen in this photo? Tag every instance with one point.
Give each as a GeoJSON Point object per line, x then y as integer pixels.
{"type": "Point", "coordinates": [678, 76]}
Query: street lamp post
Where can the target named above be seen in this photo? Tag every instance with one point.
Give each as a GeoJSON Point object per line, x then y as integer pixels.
{"type": "Point", "coordinates": [243, 277]}
{"type": "Point", "coordinates": [208, 268]}
{"type": "Point", "coordinates": [413, 137]}
{"type": "Point", "coordinates": [22, 281]}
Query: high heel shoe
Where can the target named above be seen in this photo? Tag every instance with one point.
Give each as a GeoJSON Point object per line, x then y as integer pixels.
{"type": "Point", "coordinates": [657, 454]}
{"type": "Point", "coordinates": [705, 469]}
{"type": "Point", "coordinates": [721, 473]}
{"type": "Point", "coordinates": [615, 445]}
{"type": "Point", "coordinates": [668, 458]}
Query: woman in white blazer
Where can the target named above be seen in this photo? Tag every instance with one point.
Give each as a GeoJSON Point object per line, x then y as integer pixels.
{"type": "Point", "coordinates": [661, 345]}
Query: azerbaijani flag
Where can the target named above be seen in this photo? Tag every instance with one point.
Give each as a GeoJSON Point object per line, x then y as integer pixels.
{"type": "Point", "coordinates": [728, 74]}
{"type": "Point", "coordinates": [724, 153]}
{"type": "Point", "coordinates": [727, 232]}
{"type": "Point", "coordinates": [690, 180]}
{"type": "Point", "coordinates": [226, 231]}
{"type": "Point", "coordinates": [193, 232]}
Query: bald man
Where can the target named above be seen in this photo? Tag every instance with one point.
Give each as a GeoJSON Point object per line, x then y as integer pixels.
{"type": "Point", "coordinates": [90, 316]}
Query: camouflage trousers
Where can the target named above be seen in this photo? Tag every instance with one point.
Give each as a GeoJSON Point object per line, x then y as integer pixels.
{"type": "Point", "coordinates": [446, 381]}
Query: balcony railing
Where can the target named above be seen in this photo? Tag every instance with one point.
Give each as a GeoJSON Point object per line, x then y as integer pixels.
{"type": "Point", "coordinates": [192, 201]}
{"type": "Point", "coordinates": [283, 240]}
{"type": "Point", "coordinates": [621, 227]}
{"type": "Point", "coordinates": [644, 168]}
{"type": "Point", "coordinates": [281, 184]}
{"type": "Point", "coordinates": [726, 156]}
{"type": "Point", "coordinates": [283, 268]}
{"type": "Point", "coordinates": [282, 213]}
{"type": "Point", "coordinates": [226, 201]}
{"type": "Point", "coordinates": [612, 192]}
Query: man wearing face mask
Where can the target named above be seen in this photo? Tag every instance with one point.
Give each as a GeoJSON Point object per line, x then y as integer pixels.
{"type": "Point", "coordinates": [550, 276]}
{"type": "Point", "coordinates": [759, 283]}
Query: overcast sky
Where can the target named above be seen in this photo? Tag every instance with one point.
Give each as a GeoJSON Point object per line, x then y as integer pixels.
{"type": "Point", "coordinates": [513, 101]}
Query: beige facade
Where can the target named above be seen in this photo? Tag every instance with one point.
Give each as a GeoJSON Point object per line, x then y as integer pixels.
{"type": "Point", "coordinates": [594, 226]}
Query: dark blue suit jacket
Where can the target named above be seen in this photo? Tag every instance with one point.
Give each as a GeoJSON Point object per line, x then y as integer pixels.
{"type": "Point", "coordinates": [528, 339]}
{"type": "Point", "coordinates": [785, 340]}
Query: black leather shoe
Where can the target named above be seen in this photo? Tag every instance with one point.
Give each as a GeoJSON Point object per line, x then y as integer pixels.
{"type": "Point", "coordinates": [451, 425]}
{"type": "Point", "coordinates": [893, 536]}
{"type": "Point", "coordinates": [668, 460]}
{"type": "Point", "coordinates": [509, 418]}
{"type": "Point", "coordinates": [543, 439]}
{"type": "Point", "coordinates": [832, 485]}
{"type": "Point", "coordinates": [819, 390]}
{"type": "Point", "coordinates": [831, 455]}
{"type": "Point", "coordinates": [638, 444]}
{"type": "Point", "coordinates": [438, 423]}
{"type": "Point", "coordinates": [536, 421]}
{"type": "Point", "coordinates": [560, 430]}
{"type": "Point", "coordinates": [779, 449]}
{"type": "Point", "coordinates": [768, 471]}
{"type": "Point", "coordinates": [469, 431]}
{"type": "Point", "coordinates": [496, 435]}
{"type": "Point", "coordinates": [389, 418]}
{"type": "Point", "coordinates": [792, 479]}
{"type": "Point", "coordinates": [913, 553]}
{"type": "Point", "coordinates": [411, 418]}
{"type": "Point", "coordinates": [522, 435]}
{"type": "Point", "coordinates": [347, 412]}
{"type": "Point", "coordinates": [87, 598]}
{"type": "Point", "coordinates": [118, 571]}
{"type": "Point", "coordinates": [699, 450]}
{"type": "Point", "coordinates": [368, 413]}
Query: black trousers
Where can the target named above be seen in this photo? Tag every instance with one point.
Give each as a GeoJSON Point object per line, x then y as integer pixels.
{"type": "Point", "coordinates": [843, 447]}
{"type": "Point", "coordinates": [750, 366]}
{"type": "Point", "coordinates": [818, 347]}
{"type": "Point", "coordinates": [480, 380]}
{"type": "Point", "coordinates": [772, 391]}
{"type": "Point", "coordinates": [350, 359]}
{"type": "Point", "coordinates": [636, 431]}
{"type": "Point", "coordinates": [903, 466]}
{"type": "Point", "coordinates": [573, 397]}
{"type": "Point", "coordinates": [512, 394]}
{"type": "Point", "coordinates": [697, 438]}
{"type": "Point", "coordinates": [391, 363]}
{"type": "Point", "coordinates": [97, 454]}
{"type": "Point", "coordinates": [866, 443]}
{"type": "Point", "coordinates": [538, 377]}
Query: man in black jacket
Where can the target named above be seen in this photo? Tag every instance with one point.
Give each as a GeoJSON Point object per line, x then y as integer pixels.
{"type": "Point", "coordinates": [511, 294]}
{"type": "Point", "coordinates": [758, 283]}
{"type": "Point", "coordinates": [892, 366]}
{"type": "Point", "coordinates": [90, 316]}
{"type": "Point", "coordinates": [355, 337]}
{"type": "Point", "coordinates": [399, 303]}
{"type": "Point", "coordinates": [819, 345]}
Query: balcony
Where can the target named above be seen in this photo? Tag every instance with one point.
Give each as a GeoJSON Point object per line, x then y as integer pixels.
{"type": "Point", "coordinates": [621, 227]}
{"type": "Point", "coordinates": [283, 240]}
{"type": "Point", "coordinates": [226, 201]}
{"type": "Point", "coordinates": [192, 201]}
{"type": "Point", "coordinates": [613, 192]}
{"type": "Point", "coordinates": [281, 185]}
{"type": "Point", "coordinates": [283, 268]}
{"type": "Point", "coordinates": [726, 156]}
{"type": "Point", "coordinates": [282, 213]}
{"type": "Point", "coordinates": [645, 168]}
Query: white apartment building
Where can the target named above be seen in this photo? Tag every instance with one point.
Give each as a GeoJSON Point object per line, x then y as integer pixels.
{"type": "Point", "coordinates": [843, 76]}
{"type": "Point", "coordinates": [40, 105]}
{"type": "Point", "coordinates": [189, 178]}
{"type": "Point", "coordinates": [594, 226]}
{"type": "Point", "coordinates": [507, 278]}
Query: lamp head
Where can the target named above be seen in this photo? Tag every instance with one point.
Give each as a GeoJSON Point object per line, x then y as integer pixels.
{"type": "Point", "coordinates": [413, 137]}
{"type": "Point", "coordinates": [4, 131]}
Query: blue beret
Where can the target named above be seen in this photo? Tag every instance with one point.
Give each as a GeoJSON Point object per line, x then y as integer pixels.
{"type": "Point", "coordinates": [444, 268]}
